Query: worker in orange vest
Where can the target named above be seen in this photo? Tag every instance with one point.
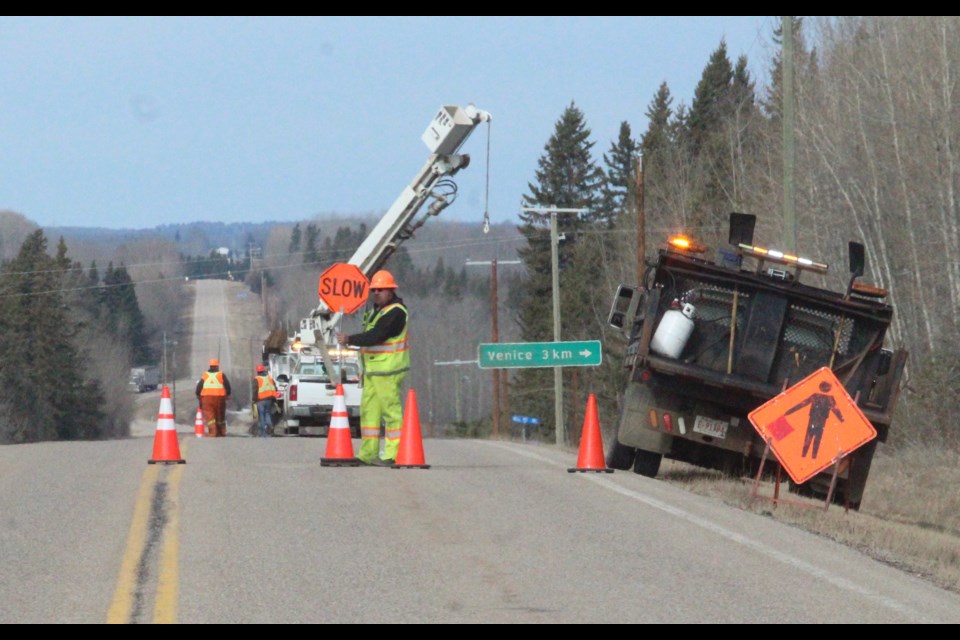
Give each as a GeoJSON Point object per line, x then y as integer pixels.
{"type": "Point", "coordinates": [264, 395]}
{"type": "Point", "coordinates": [213, 389]}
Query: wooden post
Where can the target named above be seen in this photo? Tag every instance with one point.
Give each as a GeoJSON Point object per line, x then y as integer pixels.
{"type": "Point", "coordinates": [641, 223]}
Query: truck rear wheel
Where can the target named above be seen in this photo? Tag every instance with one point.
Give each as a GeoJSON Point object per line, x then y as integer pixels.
{"type": "Point", "coordinates": [647, 463]}
{"type": "Point", "coordinates": [620, 456]}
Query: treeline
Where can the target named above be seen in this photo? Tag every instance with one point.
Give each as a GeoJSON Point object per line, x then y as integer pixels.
{"type": "Point", "coordinates": [68, 334]}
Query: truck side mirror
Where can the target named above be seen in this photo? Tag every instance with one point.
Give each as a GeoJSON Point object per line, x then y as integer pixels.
{"type": "Point", "coordinates": [622, 307]}
{"type": "Point", "coordinates": [857, 262]}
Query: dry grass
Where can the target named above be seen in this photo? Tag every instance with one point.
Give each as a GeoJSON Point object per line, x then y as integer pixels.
{"type": "Point", "coordinates": [909, 518]}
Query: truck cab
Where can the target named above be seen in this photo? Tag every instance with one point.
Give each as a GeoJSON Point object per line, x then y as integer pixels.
{"type": "Point", "coordinates": [308, 399]}
{"type": "Point", "coordinates": [711, 340]}
{"type": "Point", "coordinates": [144, 378]}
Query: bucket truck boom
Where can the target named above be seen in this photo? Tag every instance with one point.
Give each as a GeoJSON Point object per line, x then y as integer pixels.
{"type": "Point", "coordinates": [446, 133]}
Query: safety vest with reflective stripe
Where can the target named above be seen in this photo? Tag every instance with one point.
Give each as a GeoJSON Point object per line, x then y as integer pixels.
{"type": "Point", "coordinates": [389, 357]}
{"type": "Point", "coordinates": [213, 384]}
{"type": "Point", "coordinates": [265, 387]}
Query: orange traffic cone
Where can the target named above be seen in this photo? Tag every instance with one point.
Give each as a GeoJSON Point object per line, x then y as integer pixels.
{"type": "Point", "coordinates": [591, 442]}
{"type": "Point", "coordinates": [339, 445]}
{"type": "Point", "coordinates": [198, 428]}
{"type": "Point", "coordinates": [166, 448]}
{"type": "Point", "coordinates": [410, 451]}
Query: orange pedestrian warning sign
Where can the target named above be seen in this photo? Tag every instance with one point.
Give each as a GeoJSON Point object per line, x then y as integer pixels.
{"type": "Point", "coordinates": [343, 287]}
{"type": "Point", "coordinates": [812, 425]}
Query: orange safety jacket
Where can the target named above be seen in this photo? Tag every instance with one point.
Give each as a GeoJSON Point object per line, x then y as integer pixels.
{"type": "Point", "coordinates": [265, 387]}
{"type": "Point", "coordinates": [213, 384]}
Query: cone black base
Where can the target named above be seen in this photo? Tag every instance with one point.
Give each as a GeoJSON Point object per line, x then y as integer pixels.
{"type": "Point", "coordinates": [409, 466]}
{"type": "Point", "coordinates": [166, 462]}
{"type": "Point", "coordinates": [339, 462]}
{"type": "Point", "coordinates": [572, 469]}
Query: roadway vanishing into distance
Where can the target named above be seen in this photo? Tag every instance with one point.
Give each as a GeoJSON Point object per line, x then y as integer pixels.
{"type": "Point", "coordinates": [255, 530]}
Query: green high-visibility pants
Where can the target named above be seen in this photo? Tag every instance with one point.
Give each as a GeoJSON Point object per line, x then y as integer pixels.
{"type": "Point", "coordinates": [380, 401]}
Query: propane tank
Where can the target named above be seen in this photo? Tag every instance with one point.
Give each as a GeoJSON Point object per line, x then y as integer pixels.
{"type": "Point", "coordinates": [674, 330]}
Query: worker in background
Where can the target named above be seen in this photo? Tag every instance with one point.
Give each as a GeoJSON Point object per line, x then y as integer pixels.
{"type": "Point", "coordinates": [264, 394]}
{"type": "Point", "coordinates": [386, 361]}
{"type": "Point", "coordinates": [213, 389]}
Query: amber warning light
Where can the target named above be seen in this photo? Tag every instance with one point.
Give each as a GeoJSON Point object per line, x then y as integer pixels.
{"type": "Point", "coordinates": [684, 243]}
{"type": "Point", "coordinates": [772, 255]}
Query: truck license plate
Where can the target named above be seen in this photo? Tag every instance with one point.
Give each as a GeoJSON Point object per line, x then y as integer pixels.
{"type": "Point", "coordinates": [711, 427]}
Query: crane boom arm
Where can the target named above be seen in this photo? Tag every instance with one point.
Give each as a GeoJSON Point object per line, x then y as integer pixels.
{"type": "Point", "coordinates": [444, 136]}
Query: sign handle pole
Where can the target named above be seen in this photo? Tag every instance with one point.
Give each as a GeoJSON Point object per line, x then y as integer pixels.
{"type": "Point", "coordinates": [733, 328]}
{"type": "Point", "coordinates": [763, 460]}
{"type": "Point", "coordinates": [833, 480]}
{"type": "Point", "coordinates": [776, 485]}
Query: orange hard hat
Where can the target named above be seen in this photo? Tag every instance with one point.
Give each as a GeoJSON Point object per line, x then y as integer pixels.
{"type": "Point", "coordinates": [214, 362]}
{"type": "Point", "coordinates": [383, 280]}
{"type": "Point", "coordinates": [261, 368]}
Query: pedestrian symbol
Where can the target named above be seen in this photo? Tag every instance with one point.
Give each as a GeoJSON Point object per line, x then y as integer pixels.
{"type": "Point", "coordinates": [812, 425]}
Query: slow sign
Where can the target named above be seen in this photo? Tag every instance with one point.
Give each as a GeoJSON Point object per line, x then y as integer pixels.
{"type": "Point", "coordinates": [343, 287]}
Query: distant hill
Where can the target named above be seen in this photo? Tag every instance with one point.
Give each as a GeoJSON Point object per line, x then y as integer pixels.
{"type": "Point", "coordinates": [455, 242]}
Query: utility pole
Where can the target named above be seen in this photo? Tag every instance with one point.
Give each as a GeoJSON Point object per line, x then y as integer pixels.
{"type": "Point", "coordinates": [789, 215]}
{"type": "Point", "coordinates": [495, 336]}
{"type": "Point", "coordinates": [641, 223]}
{"type": "Point", "coordinates": [555, 238]}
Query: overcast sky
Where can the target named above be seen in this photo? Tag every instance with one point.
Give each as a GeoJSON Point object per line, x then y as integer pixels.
{"type": "Point", "coordinates": [133, 122]}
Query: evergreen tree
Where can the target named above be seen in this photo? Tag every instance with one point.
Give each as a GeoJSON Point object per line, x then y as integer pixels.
{"type": "Point", "coordinates": [44, 389]}
{"type": "Point", "coordinates": [123, 315]}
{"type": "Point", "coordinates": [295, 240]}
{"type": "Point", "coordinates": [706, 111]}
{"type": "Point", "coordinates": [660, 145]}
{"type": "Point", "coordinates": [566, 178]}
{"type": "Point", "coordinates": [311, 253]}
{"type": "Point", "coordinates": [658, 137]}
{"type": "Point", "coordinates": [93, 275]}
{"type": "Point", "coordinates": [717, 134]}
{"type": "Point", "coordinates": [345, 243]}
{"type": "Point", "coordinates": [619, 187]}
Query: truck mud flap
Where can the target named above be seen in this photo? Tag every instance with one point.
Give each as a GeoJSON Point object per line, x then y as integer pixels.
{"type": "Point", "coordinates": [633, 430]}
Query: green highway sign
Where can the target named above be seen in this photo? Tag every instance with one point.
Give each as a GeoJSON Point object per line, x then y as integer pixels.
{"type": "Point", "coordinates": [512, 355]}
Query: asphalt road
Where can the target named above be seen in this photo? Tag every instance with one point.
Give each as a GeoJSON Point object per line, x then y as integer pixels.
{"type": "Point", "coordinates": [255, 530]}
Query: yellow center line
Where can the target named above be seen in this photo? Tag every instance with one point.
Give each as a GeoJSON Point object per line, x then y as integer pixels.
{"type": "Point", "coordinates": [122, 605]}
{"type": "Point", "coordinates": [125, 593]}
{"type": "Point", "coordinates": [168, 582]}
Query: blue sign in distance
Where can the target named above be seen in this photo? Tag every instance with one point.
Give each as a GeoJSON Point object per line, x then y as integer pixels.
{"type": "Point", "coordinates": [512, 355]}
{"type": "Point", "coordinates": [526, 420]}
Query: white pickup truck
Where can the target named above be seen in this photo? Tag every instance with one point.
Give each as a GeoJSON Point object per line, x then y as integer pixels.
{"type": "Point", "coordinates": [308, 398]}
